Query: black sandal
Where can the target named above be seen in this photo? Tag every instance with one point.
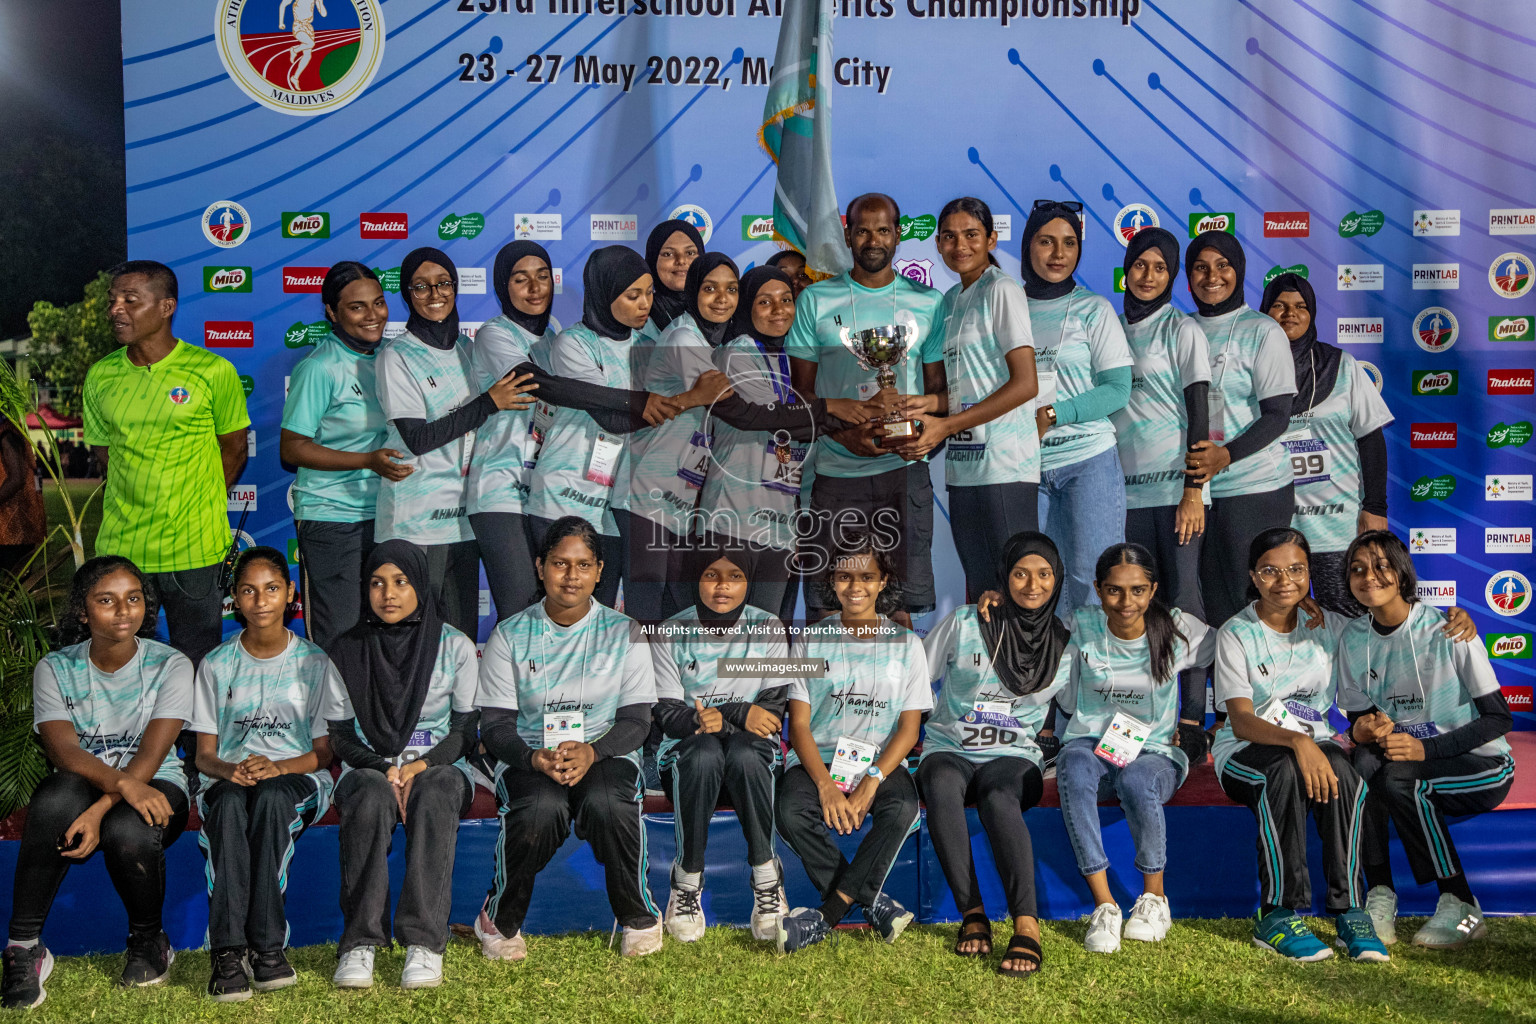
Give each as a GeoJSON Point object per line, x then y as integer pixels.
{"type": "Point", "coordinates": [970, 934]}
{"type": "Point", "coordinates": [1022, 947]}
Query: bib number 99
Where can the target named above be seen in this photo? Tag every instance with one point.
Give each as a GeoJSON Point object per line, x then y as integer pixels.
{"type": "Point", "coordinates": [1307, 465]}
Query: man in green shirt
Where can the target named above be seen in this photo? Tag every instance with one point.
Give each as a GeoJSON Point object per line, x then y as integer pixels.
{"type": "Point", "coordinates": [167, 421]}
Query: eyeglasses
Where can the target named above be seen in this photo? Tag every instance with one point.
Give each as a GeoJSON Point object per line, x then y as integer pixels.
{"type": "Point", "coordinates": [422, 289]}
{"type": "Point", "coordinates": [1071, 204]}
{"type": "Point", "coordinates": [1271, 573]}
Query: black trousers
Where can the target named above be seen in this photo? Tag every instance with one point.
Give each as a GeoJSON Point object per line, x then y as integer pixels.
{"type": "Point", "coordinates": [982, 519]}
{"type": "Point", "coordinates": [654, 569]}
{"type": "Point", "coordinates": [536, 817]}
{"type": "Point", "coordinates": [248, 837]}
{"type": "Point", "coordinates": [365, 801]}
{"type": "Point", "coordinates": [1330, 584]}
{"type": "Point", "coordinates": [1264, 779]}
{"type": "Point", "coordinates": [331, 557]}
{"type": "Point", "coordinates": [896, 507]}
{"type": "Point", "coordinates": [134, 851]}
{"type": "Point", "coordinates": [607, 589]}
{"type": "Point", "coordinates": [1231, 523]}
{"type": "Point", "coordinates": [194, 609]}
{"type": "Point", "coordinates": [507, 551]}
{"type": "Point", "coordinates": [892, 817]}
{"type": "Point", "coordinates": [1002, 789]}
{"type": "Point", "coordinates": [1418, 796]}
{"type": "Point", "coordinates": [455, 572]}
{"type": "Point", "coordinates": [705, 764]}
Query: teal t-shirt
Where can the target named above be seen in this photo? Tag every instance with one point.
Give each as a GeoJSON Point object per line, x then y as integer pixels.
{"type": "Point", "coordinates": [1320, 446]}
{"type": "Point", "coordinates": [1250, 361]}
{"type": "Point", "coordinates": [333, 400]}
{"type": "Point", "coordinates": [1076, 336]}
{"type": "Point", "coordinates": [826, 316]}
{"type": "Point", "coordinates": [1152, 429]}
{"type": "Point", "coordinates": [505, 445]}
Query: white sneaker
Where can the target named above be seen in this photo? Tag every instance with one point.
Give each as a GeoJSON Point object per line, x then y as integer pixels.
{"type": "Point", "coordinates": [1103, 929]}
{"type": "Point", "coordinates": [768, 906]}
{"type": "Point", "coordinates": [1454, 925]}
{"type": "Point", "coordinates": [1150, 919]}
{"type": "Point", "coordinates": [355, 969]}
{"type": "Point", "coordinates": [423, 968]}
{"type": "Point", "coordinates": [641, 941]}
{"type": "Point", "coordinates": [685, 916]}
{"type": "Point", "coordinates": [493, 944]}
{"type": "Point", "coordinates": [1381, 904]}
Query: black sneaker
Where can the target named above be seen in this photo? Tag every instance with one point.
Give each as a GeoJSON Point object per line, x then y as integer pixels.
{"type": "Point", "coordinates": [149, 960]}
{"type": "Point", "coordinates": [888, 917]}
{"type": "Point", "coordinates": [271, 970]}
{"type": "Point", "coordinates": [26, 968]}
{"type": "Point", "coordinates": [227, 983]}
{"type": "Point", "coordinates": [804, 927]}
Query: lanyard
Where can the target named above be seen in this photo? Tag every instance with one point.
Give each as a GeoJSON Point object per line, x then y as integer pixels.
{"type": "Point", "coordinates": [780, 381]}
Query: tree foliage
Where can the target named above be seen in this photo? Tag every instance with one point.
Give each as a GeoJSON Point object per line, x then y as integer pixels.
{"type": "Point", "coordinates": [66, 340]}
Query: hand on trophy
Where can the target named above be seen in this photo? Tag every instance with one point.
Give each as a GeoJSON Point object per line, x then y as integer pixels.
{"type": "Point", "coordinates": [863, 440]}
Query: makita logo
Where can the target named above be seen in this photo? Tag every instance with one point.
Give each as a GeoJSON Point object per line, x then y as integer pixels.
{"type": "Point", "coordinates": [1297, 224]}
{"type": "Point", "coordinates": [229, 334]}
{"type": "Point", "coordinates": [1511, 382]}
{"type": "Point", "coordinates": [1517, 697]}
{"type": "Point", "coordinates": [1433, 435]}
{"type": "Point", "coordinates": [383, 225]}
{"type": "Point", "coordinates": [303, 279]}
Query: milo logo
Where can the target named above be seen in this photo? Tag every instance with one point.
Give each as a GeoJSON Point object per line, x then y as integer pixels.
{"type": "Point", "coordinates": [306, 225]}
{"type": "Point", "coordinates": [1509, 645]}
{"type": "Point", "coordinates": [1511, 328]}
{"type": "Point", "coordinates": [456, 225]}
{"type": "Point", "coordinates": [1433, 488]}
{"type": "Point", "coordinates": [1199, 222]}
{"type": "Point", "coordinates": [1299, 269]}
{"type": "Point", "coordinates": [1509, 435]}
{"type": "Point", "coordinates": [1434, 382]}
{"type": "Point", "coordinates": [756, 228]}
{"type": "Point", "coordinates": [389, 279]}
{"type": "Point", "coordinates": [300, 334]}
{"type": "Point", "coordinates": [921, 227]}
{"type": "Point", "coordinates": [1367, 223]}
{"type": "Point", "coordinates": [226, 279]}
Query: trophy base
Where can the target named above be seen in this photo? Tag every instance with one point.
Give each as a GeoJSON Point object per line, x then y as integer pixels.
{"type": "Point", "coordinates": [900, 433]}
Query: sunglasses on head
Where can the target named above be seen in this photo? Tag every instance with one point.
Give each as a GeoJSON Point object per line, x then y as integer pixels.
{"type": "Point", "coordinates": [1071, 204]}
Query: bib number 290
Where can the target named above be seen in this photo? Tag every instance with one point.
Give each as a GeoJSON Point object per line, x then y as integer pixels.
{"type": "Point", "coordinates": [979, 737]}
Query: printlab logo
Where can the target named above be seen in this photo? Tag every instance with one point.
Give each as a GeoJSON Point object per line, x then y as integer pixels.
{"type": "Point", "coordinates": [1509, 645]}
{"type": "Point", "coordinates": [226, 279]}
{"type": "Point", "coordinates": [306, 225]}
{"type": "Point", "coordinates": [1432, 435]}
{"type": "Point", "coordinates": [614, 227]}
{"type": "Point", "coordinates": [1360, 277]}
{"type": "Point", "coordinates": [918, 270]}
{"type": "Point", "coordinates": [1512, 222]}
{"type": "Point", "coordinates": [294, 65]}
{"type": "Point", "coordinates": [1288, 224]}
{"type": "Point", "coordinates": [1436, 276]}
{"type": "Point", "coordinates": [383, 225]}
{"type": "Point", "coordinates": [1435, 329]}
{"type": "Point", "coordinates": [1511, 382]}
{"type": "Point", "coordinates": [1433, 541]}
{"type": "Point", "coordinates": [1508, 487]}
{"type": "Point", "coordinates": [1508, 592]}
{"type": "Point", "coordinates": [1511, 328]}
{"type": "Point", "coordinates": [229, 334]}
{"type": "Point", "coordinates": [1435, 382]}
{"type": "Point", "coordinates": [688, 213]}
{"type": "Point", "coordinates": [1361, 330]}
{"type": "Point", "coordinates": [456, 225]}
{"type": "Point", "coordinates": [226, 224]}
{"type": "Point", "coordinates": [241, 497]}
{"type": "Point", "coordinates": [1436, 593]}
{"type": "Point", "coordinates": [1436, 222]}
{"type": "Point", "coordinates": [1511, 275]}
{"type": "Point", "coordinates": [1433, 488]}
{"type": "Point", "coordinates": [1507, 540]}
{"type": "Point", "coordinates": [1201, 222]}
{"type": "Point", "coordinates": [1367, 223]}
{"type": "Point", "coordinates": [1133, 218]}
{"type": "Point", "coordinates": [1509, 435]}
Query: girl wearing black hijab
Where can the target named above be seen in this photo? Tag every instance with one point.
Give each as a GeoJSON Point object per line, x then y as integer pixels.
{"type": "Point", "coordinates": [670, 250]}
{"type": "Point", "coordinates": [427, 389]}
{"type": "Point", "coordinates": [401, 717]}
{"type": "Point", "coordinates": [1253, 382]}
{"type": "Point", "coordinates": [722, 735]}
{"type": "Point", "coordinates": [995, 679]}
{"type": "Point", "coordinates": [1337, 453]}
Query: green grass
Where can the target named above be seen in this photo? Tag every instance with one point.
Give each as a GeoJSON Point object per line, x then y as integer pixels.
{"type": "Point", "coordinates": [53, 509]}
{"type": "Point", "coordinates": [1205, 971]}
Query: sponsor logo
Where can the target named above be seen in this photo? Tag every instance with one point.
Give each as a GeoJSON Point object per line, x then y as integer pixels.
{"type": "Point", "coordinates": [178, 396]}
{"type": "Point", "coordinates": [226, 224]}
{"type": "Point", "coordinates": [543, 226]}
{"type": "Point", "coordinates": [1361, 330]}
{"type": "Point", "coordinates": [1199, 222]}
{"type": "Point", "coordinates": [1508, 592]}
{"type": "Point", "coordinates": [1299, 269]}
{"type": "Point", "coordinates": [1509, 435]}
{"type": "Point", "coordinates": [1002, 223]}
{"type": "Point", "coordinates": [1367, 223]}
{"type": "Point", "coordinates": [248, 384]}
{"type": "Point", "coordinates": [388, 279]}
{"type": "Point", "coordinates": [1511, 328]}
{"type": "Point", "coordinates": [919, 270]}
{"type": "Point", "coordinates": [614, 227]}
{"type": "Point", "coordinates": [1509, 645]}
{"type": "Point", "coordinates": [311, 64]}
{"type": "Point", "coordinates": [1517, 697]}
{"type": "Point", "coordinates": [227, 279]}
{"type": "Point", "coordinates": [1507, 540]}
{"type": "Point", "coordinates": [393, 329]}
{"type": "Point", "coordinates": [1511, 275]}
{"type": "Point", "coordinates": [1360, 277]}
{"type": "Point", "coordinates": [1428, 277]}
{"type": "Point", "coordinates": [1435, 329]}
{"type": "Point", "coordinates": [1511, 382]}
{"type": "Point", "coordinates": [383, 225]}
{"type": "Point", "coordinates": [1436, 222]}
{"type": "Point", "coordinates": [695, 215]}
{"type": "Point", "coordinates": [300, 334]}
{"type": "Point", "coordinates": [1371, 372]}
{"type": "Point", "coordinates": [1434, 382]}
{"type": "Point", "coordinates": [1120, 279]}
{"type": "Point", "coordinates": [472, 280]}
{"type": "Point", "coordinates": [1432, 435]}
{"type": "Point", "coordinates": [1436, 593]}
{"type": "Point", "coordinates": [1132, 219]}
{"type": "Point", "coordinates": [1512, 222]}
{"type": "Point", "coordinates": [306, 225]}
{"type": "Point", "coordinates": [460, 225]}
{"type": "Point", "coordinates": [1433, 541]}
{"type": "Point", "coordinates": [1433, 488]}
{"type": "Point", "coordinates": [1288, 224]}
{"type": "Point", "coordinates": [558, 275]}
{"type": "Point", "coordinates": [229, 334]}
{"type": "Point", "coordinates": [241, 497]}
{"type": "Point", "coordinates": [303, 279]}
{"type": "Point", "coordinates": [919, 228]}
{"type": "Point", "coordinates": [1507, 487]}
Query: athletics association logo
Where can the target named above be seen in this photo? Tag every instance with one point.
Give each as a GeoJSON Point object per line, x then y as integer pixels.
{"type": "Point", "coordinates": [226, 224]}
{"type": "Point", "coordinates": [1133, 218]}
{"type": "Point", "coordinates": [688, 213]}
{"type": "Point", "coordinates": [1508, 592]}
{"type": "Point", "coordinates": [179, 396]}
{"type": "Point", "coordinates": [301, 57]}
{"type": "Point", "coordinates": [1372, 373]}
{"type": "Point", "coordinates": [1512, 275]}
{"type": "Point", "coordinates": [1435, 329]}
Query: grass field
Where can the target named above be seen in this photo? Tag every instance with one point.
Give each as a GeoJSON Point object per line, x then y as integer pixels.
{"type": "Point", "coordinates": [53, 508]}
{"type": "Point", "coordinates": [1205, 971]}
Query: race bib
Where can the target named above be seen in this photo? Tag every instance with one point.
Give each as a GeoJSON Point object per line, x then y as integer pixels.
{"type": "Point", "coordinates": [604, 457]}
{"type": "Point", "coordinates": [466, 452]}
{"type": "Point", "coordinates": [416, 747]}
{"type": "Point", "coordinates": [851, 762]}
{"type": "Point", "coordinates": [1122, 741]}
{"type": "Point", "coordinates": [785, 474]}
{"type": "Point", "coordinates": [1418, 730]}
{"type": "Point", "coordinates": [1278, 712]}
{"type": "Point", "coordinates": [990, 723]}
{"type": "Point", "coordinates": [563, 726]}
{"type": "Point", "coordinates": [1311, 460]}
{"type": "Point", "coordinates": [1047, 393]}
{"type": "Point", "coordinates": [1216, 409]}
{"type": "Point", "coordinates": [695, 462]}
{"type": "Point", "coordinates": [538, 429]}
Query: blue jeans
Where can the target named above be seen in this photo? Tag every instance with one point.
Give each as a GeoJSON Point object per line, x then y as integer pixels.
{"type": "Point", "coordinates": [1083, 778]}
{"type": "Point", "coordinates": [1082, 508]}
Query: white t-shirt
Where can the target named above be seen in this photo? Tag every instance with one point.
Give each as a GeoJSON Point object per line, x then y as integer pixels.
{"type": "Point", "coordinates": [1076, 336]}
{"type": "Point", "coordinates": [1152, 430]}
{"type": "Point", "coordinates": [505, 445]}
{"type": "Point", "coordinates": [670, 462]}
{"type": "Point", "coordinates": [1250, 361]}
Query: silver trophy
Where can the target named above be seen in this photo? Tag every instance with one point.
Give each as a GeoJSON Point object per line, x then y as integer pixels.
{"type": "Point", "coordinates": [882, 349]}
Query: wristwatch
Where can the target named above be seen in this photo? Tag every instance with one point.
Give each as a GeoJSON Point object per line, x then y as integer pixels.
{"type": "Point", "coordinates": [875, 773]}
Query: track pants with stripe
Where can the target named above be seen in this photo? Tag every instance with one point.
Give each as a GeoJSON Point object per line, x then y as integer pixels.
{"type": "Point", "coordinates": [248, 838]}
{"type": "Point", "coordinates": [1265, 779]}
{"type": "Point", "coordinates": [892, 817]}
{"type": "Point", "coordinates": [1418, 796]}
{"type": "Point", "coordinates": [703, 766]}
{"type": "Point", "coordinates": [536, 817]}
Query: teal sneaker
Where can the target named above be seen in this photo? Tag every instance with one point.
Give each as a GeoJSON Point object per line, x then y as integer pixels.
{"type": "Point", "coordinates": [1358, 937]}
{"type": "Point", "coordinates": [1284, 933]}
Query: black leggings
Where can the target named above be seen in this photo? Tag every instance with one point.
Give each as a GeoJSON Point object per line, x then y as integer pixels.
{"type": "Point", "coordinates": [134, 851]}
{"type": "Point", "coordinates": [1002, 790]}
{"type": "Point", "coordinates": [507, 552]}
{"type": "Point", "coordinates": [1230, 526]}
{"type": "Point", "coordinates": [982, 518]}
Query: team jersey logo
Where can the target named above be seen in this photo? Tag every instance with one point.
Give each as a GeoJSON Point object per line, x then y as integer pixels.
{"type": "Point", "coordinates": [301, 57]}
{"type": "Point", "coordinates": [180, 395]}
{"type": "Point", "coordinates": [1511, 275]}
{"type": "Point", "coordinates": [919, 270]}
{"type": "Point", "coordinates": [697, 216]}
{"type": "Point", "coordinates": [226, 224]}
{"type": "Point", "coordinates": [1508, 592]}
{"type": "Point", "coordinates": [1133, 218]}
{"type": "Point", "coordinates": [1435, 329]}
{"type": "Point", "coordinates": [1371, 372]}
